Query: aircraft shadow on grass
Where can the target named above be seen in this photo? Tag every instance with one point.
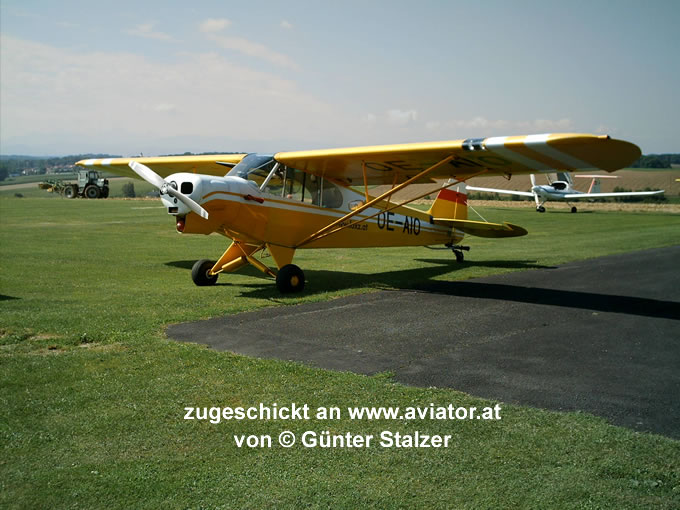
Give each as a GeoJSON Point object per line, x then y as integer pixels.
{"type": "Point", "coordinates": [421, 280]}
{"type": "Point", "coordinates": [321, 281]}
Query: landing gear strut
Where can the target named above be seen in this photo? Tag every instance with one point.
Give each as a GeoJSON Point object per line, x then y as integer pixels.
{"type": "Point", "coordinates": [458, 251]}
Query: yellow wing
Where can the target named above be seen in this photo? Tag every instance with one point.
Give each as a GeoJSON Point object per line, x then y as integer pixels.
{"type": "Point", "coordinates": [218, 164]}
{"type": "Point", "coordinates": [506, 155]}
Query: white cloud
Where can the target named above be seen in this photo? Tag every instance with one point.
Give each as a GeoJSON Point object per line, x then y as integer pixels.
{"type": "Point", "coordinates": [253, 49]}
{"type": "Point", "coordinates": [165, 107]}
{"type": "Point", "coordinates": [553, 125]}
{"type": "Point", "coordinates": [493, 127]}
{"type": "Point", "coordinates": [369, 118]}
{"type": "Point", "coordinates": [212, 28]}
{"type": "Point", "coordinates": [104, 101]}
{"type": "Point", "coordinates": [401, 117]}
{"type": "Point", "coordinates": [603, 129]}
{"type": "Point", "coordinates": [214, 25]}
{"type": "Point", "coordinates": [146, 30]}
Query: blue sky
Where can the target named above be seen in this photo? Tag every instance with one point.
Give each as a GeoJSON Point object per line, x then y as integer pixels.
{"type": "Point", "coordinates": [166, 77]}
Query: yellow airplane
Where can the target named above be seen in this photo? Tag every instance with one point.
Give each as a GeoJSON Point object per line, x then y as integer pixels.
{"type": "Point", "coordinates": [320, 199]}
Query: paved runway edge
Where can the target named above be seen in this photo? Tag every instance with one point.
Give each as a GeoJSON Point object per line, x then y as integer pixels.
{"type": "Point", "coordinates": [599, 335]}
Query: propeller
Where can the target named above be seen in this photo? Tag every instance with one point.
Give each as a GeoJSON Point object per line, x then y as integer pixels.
{"type": "Point", "coordinates": [165, 188]}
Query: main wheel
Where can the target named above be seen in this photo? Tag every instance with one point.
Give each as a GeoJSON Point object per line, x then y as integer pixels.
{"type": "Point", "coordinates": [199, 273]}
{"type": "Point", "coordinates": [540, 208]}
{"type": "Point", "coordinates": [290, 279]}
{"type": "Point", "coordinates": [459, 256]}
{"type": "Point", "coordinates": [92, 192]}
{"type": "Point", "coordinates": [70, 192]}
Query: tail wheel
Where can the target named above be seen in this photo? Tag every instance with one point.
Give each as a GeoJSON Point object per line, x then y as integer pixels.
{"type": "Point", "coordinates": [199, 273]}
{"type": "Point", "coordinates": [289, 279]}
{"type": "Point", "coordinates": [573, 209]}
{"type": "Point", "coordinates": [92, 192]}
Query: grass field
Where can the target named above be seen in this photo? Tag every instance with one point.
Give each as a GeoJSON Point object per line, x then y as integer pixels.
{"type": "Point", "coordinates": [93, 395]}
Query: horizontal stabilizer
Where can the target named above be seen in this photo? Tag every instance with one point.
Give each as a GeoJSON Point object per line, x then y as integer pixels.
{"type": "Point", "coordinates": [505, 191]}
{"type": "Point", "coordinates": [575, 196]}
{"type": "Point", "coordinates": [483, 228]}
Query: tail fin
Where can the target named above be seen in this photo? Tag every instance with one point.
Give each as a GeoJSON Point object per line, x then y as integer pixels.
{"type": "Point", "coordinates": [450, 209]}
{"type": "Point", "coordinates": [451, 203]}
{"type": "Point", "coordinates": [594, 186]}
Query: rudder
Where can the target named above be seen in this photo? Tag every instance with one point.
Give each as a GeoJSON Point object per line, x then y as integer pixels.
{"type": "Point", "coordinates": [451, 203]}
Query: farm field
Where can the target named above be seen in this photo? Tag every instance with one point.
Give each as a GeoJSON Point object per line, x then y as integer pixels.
{"type": "Point", "coordinates": [629, 178]}
{"type": "Point", "coordinates": [93, 394]}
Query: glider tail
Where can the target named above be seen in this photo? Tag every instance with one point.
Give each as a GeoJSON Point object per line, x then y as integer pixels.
{"type": "Point", "coordinates": [451, 203]}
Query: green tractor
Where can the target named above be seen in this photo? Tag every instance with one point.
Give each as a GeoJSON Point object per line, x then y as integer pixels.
{"type": "Point", "coordinates": [90, 185]}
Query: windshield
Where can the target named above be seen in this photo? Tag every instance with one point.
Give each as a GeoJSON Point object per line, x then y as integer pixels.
{"type": "Point", "coordinates": [258, 164]}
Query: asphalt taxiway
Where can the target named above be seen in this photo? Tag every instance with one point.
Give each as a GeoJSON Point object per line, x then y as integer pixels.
{"type": "Point", "coordinates": [600, 336]}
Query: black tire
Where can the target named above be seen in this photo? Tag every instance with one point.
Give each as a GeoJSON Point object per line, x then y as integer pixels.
{"type": "Point", "coordinates": [540, 209]}
{"type": "Point", "coordinates": [70, 192]}
{"type": "Point", "coordinates": [105, 193]}
{"type": "Point", "coordinates": [573, 209]}
{"type": "Point", "coordinates": [290, 279]}
{"type": "Point", "coordinates": [459, 256]}
{"type": "Point", "coordinates": [92, 192]}
{"type": "Point", "coordinates": [199, 273]}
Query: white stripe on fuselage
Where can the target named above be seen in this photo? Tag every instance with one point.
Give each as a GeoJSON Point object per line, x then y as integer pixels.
{"type": "Point", "coordinates": [278, 203]}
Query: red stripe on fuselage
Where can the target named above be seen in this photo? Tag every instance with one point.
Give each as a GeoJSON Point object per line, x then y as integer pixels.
{"type": "Point", "coordinates": [453, 196]}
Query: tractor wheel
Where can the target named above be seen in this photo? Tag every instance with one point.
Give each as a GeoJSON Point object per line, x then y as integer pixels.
{"type": "Point", "coordinates": [290, 279]}
{"type": "Point", "coordinates": [199, 273]}
{"type": "Point", "coordinates": [92, 192]}
{"type": "Point", "coordinates": [70, 192]}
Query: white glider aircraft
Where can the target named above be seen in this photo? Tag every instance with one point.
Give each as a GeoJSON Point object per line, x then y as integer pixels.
{"type": "Point", "coordinates": [560, 187]}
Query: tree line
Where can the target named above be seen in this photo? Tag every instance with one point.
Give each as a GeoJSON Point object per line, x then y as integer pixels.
{"type": "Point", "coordinates": [10, 165]}
{"type": "Point", "coordinates": [657, 161]}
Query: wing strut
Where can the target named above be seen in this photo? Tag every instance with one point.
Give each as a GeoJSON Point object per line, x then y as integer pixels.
{"type": "Point", "coordinates": [329, 229]}
{"type": "Point", "coordinates": [368, 204]}
{"type": "Point", "coordinates": [389, 208]}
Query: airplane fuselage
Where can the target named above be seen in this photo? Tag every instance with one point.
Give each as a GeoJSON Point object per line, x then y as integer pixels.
{"type": "Point", "coordinates": [239, 209]}
{"type": "Point", "coordinates": [546, 192]}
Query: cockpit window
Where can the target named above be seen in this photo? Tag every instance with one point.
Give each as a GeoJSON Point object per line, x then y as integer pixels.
{"type": "Point", "coordinates": [311, 189]}
{"type": "Point", "coordinates": [254, 167]}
